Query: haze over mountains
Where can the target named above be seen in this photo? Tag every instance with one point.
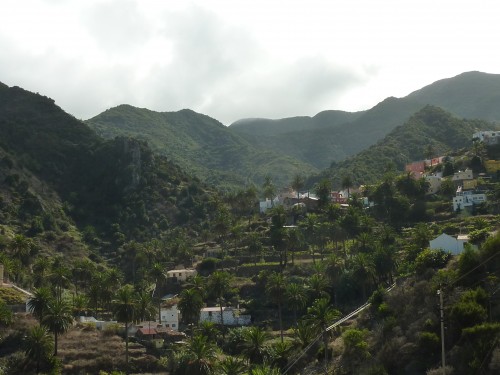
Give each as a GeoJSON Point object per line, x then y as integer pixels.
{"type": "Point", "coordinates": [249, 149]}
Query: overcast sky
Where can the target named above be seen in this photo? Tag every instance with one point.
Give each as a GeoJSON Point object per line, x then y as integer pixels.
{"type": "Point", "coordinates": [232, 59]}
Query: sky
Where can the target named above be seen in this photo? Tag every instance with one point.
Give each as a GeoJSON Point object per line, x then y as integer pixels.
{"type": "Point", "coordinates": [234, 59]}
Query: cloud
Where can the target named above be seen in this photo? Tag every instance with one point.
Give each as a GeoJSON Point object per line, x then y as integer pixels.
{"type": "Point", "coordinates": [222, 71]}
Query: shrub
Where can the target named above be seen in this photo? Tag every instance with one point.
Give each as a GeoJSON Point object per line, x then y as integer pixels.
{"type": "Point", "coordinates": [207, 266]}
{"type": "Point", "coordinates": [111, 329]}
{"type": "Point", "coordinates": [431, 259]}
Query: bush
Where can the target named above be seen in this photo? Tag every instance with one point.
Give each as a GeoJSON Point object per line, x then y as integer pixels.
{"type": "Point", "coordinates": [431, 259]}
{"type": "Point", "coordinates": [207, 266]}
{"type": "Point", "coordinates": [111, 329]}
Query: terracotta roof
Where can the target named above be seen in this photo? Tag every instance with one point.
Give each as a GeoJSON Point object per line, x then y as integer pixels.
{"type": "Point", "coordinates": [147, 331]}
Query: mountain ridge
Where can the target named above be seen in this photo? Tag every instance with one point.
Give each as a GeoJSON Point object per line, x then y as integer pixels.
{"type": "Point", "coordinates": [468, 95]}
{"type": "Point", "coordinates": [199, 144]}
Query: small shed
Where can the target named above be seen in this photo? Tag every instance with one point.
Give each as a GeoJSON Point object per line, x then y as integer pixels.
{"type": "Point", "coordinates": [449, 243]}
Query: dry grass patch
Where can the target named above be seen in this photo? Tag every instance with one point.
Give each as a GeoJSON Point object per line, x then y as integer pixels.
{"type": "Point", "coordinates": [87, 351]}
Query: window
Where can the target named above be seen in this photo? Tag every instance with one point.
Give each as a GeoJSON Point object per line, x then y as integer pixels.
{"type": "Point", "coordinates": [173, 325]}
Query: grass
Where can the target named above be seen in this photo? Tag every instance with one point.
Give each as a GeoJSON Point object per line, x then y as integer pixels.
{"type": "Point", "coordinates": [12, 296]}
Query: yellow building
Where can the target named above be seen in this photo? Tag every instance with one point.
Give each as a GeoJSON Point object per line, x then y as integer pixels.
{"type": "Point", "coordinates": [469, 184]}
{"type": "Point", "coordinates": [492, 166]}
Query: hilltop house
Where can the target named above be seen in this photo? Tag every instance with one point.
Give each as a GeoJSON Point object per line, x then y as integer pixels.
{"type": "Point", "coordinates": [449, 243]}
{"type": "Point", "coordinates": [232, 317]}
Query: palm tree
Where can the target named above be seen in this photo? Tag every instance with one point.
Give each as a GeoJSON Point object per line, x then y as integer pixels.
{"type": "Point", "coordinates": [347, 184]}
{"type": "Point", "coordinates": [41, 269]}
{"type": "Point", "coordinates": [385, 262]}
{"type": "Point", "coordinates": [255, 246]}
{"type": "Point", "coordinates": [37, 345]}
{"type": "Point", "coordinates": [125, 309]}
{"type": "Point", "coordinates": [319, 316]}
{"type": "Point", "coordinates": [21, 248]}
{"type": "Point", "coordinates": [218, 284]}
{"type": "Point", "coordinates": [364, 242]}
{"type": "Point", "coordinates": [275, 289]}
{"type": "Point", "coordinates": [317, 285]}
{"type": "Point", "coordinates": [254, 344]}
{"type": "Point", "coordinates": [264, 370]}
{"type": "Point", "coordinates": [294, 241]}
{"type": "Point", "coordinates": [364, 271]}
{"type": "Point", "coordinates": [110, 281]}
{"type": "Point", "coordinates": [334, 269]}
{"type": "Point", "coordinates": [297, 184]}
{"type": "Point", "coordinates": [322, 190]}
{"type": "Point", "coordinates": [231, 366]}
{"type": "Point", "coordinates": [59, 277]}
{"type": "Point", "coordinates": [156, 273]}
{"type": "Point", "coordinates": [279, 353]}
{"type": "Point", "coordinates": [39, 302]}
{"type": "Point", "coordinates": [58, 318]}
{"type": "Point", "coordinates": [145, 308]}
{"type": "Point", "coordinates": [310, 227]}
{"type": "Point", "coordinates": [198, 283]}
{"type": "Point", "coordinates": [94, 293]}
{"type": "Point", "coordinates": [81, 272]}
{"type": "Point", "coordinates": [269, 189]}
{"type": "Point", "coordinates": [296, 298]}
{"type": "Point", "coordinates": [201, 355]}
{"type": "Point", "coordinates": [190, 305]}
{"type": "Point", "coordinates": [5, 313]}
{"type": "Point", "coordinates": [302, 334]}
{"type": "Point", "coordinates": [80, 303]}
{"type": "Point", "coordinates": [209, 330]}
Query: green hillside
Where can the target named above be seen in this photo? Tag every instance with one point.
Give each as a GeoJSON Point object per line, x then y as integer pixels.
{"type": "Point", "coordinates": [200, 145]}
{"type": "Point", "coordinates": [469, 95]}
{"type": "Point", "coordinates": [58, 176]}
{"type": "Point", "coordinates": [92, 227]}
{"type": "Point", "coordinates": [266, 127]}
{"type": "Point", "coordinates": [430, 127]}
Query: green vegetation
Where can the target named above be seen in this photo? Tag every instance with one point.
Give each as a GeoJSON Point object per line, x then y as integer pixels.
{"type": "Point", "coordinates": [431, 126]}
{"type": "Point", "coordinates": [200, 145]}
{"type": "Point", "coordinates": [91, 227]}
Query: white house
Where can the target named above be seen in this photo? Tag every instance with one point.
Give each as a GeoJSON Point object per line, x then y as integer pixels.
{"type": "Point", "coordinates": [170, 317]}
{"type": "Point", "coordinates": [232, 317]}
{"type": "Point", "coordinates": [449, 243]}
{"type": "Point", "coordinates": [180, 275]}
{"type": "Point", "coordinates": [464, 199]}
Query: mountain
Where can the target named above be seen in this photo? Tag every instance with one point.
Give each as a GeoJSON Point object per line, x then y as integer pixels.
{"type": "Point", "coordinates": [266, 127]}
{"type": "Point", "coordinates": [200, 145]}
{"type": "Point", "coordinates": [58, 175]}
{"type": "Point", "coordinates": [468, 95]}
{"type": "Point", "coordinates": [430, 127]}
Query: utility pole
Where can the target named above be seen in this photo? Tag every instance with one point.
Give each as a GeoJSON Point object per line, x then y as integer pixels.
{"type": "Point", "coordinates": [441, 313]}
